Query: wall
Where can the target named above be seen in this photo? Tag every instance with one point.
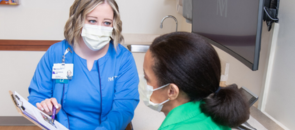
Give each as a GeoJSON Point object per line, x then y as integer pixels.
{"type": "Point", "coordinates": [144, 17]}
{"type": "Point", "coordinates": [34, 20]}
{"type": "Point", "coordinates": [280, 100]}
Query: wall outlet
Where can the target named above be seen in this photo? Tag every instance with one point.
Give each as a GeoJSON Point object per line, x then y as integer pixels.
{"type": "Point", "coordinates": [224, 77]}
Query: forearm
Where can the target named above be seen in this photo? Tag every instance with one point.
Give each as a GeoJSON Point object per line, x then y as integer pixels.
{"type": "Point", "coordinates": [120, 116]}
{"type": "Point", "coordinates": [36, 97]}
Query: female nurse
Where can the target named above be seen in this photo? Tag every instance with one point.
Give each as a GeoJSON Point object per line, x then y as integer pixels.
{"type": "Point", "coordinates": [103, 90]}
{"type": "Point", "coordinates": [182, 73]}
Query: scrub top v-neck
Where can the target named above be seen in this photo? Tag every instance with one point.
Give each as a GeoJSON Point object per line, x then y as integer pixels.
{"type": "Point", "coordinates": [83, 94]}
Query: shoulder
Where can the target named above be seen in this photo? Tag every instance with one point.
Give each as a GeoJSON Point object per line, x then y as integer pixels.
{"type": "Point", "coordinates": [55, 52]}
{"type": "Point", "coordinates": [58, 46]}
{"type": "Point", "coordinates": [123, 52]}
{"type": "Point", "coordinates": [57, 49]}
{"type": "Point", "coordinates": [188, 116]}
{"type": "Point", "coordinates": [195, 125]}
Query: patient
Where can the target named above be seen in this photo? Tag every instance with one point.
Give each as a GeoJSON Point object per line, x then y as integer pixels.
{"type": "Point", "coordinates": [182, 73]}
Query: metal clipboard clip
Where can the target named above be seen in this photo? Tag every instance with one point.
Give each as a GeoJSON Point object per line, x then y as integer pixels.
{"type": "Point", "coordinates": [18, 102]}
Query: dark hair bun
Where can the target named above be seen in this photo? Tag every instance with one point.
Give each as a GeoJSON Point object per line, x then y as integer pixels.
{"type": "Point", "coordinates": [228, 107]}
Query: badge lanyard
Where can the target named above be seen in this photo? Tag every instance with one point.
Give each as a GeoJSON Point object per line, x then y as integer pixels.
{"type": "Point", "coordinates": [64, 56]}
{"type": "Point", "coordinates": [63, 72]}
{"type": "Point", "coordinates": [63, 91]}
{"type": "Point", "coordinates": [63, 63]}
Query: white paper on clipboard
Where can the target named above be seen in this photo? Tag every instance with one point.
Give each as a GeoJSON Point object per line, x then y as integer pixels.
{"type": "Point", "coordinates": [35, 115]}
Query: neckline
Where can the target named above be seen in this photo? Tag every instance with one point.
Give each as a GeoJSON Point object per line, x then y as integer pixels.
{"type": "Point", "coordinates": [182, 113]}
{"type": "Point", "coordinates": [102, 59]}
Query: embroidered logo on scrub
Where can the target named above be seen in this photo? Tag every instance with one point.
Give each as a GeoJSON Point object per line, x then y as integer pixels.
{"type": "Point", "coordinates": [112, 78]}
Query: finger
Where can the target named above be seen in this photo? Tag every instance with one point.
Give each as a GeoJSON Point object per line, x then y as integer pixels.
{"type": "Point", "coordinates": [39, 107]}
{"type": "Point", "coordinates": [54, 102]}
{"type": "Point", "coordinates": [59, 107]}
{"type": "Point", "coordinates": [43, 104]}
{"type": "Point", "coordinates": [49, 104]}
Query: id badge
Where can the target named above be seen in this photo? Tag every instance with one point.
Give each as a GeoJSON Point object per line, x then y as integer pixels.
{"type": "Point", "coordinates": [62, 71]}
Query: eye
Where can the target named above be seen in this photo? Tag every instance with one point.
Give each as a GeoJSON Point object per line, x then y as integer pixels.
{"type": "Point", "coordinates": [147, 80]}
{"type": "Point", "coordinates": [92, 21]}
{"type": "Point", "coordinates": [107, 23]}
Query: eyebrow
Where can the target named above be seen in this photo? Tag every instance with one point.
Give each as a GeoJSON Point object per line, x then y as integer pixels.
{"type": "Point", "coordinates": [91, 16]}
{"type": "Point", "coordinates": [109, 19]}
{"type": "Point", "coordinates": [96, 18]}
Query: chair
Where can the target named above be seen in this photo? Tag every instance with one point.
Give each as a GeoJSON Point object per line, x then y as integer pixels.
{"type": "Point", "coordinates": [251, 98]}
{"type": "Point", "coordinates": [129, 126]}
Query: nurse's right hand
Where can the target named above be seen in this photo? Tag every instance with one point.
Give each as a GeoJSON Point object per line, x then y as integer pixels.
{"type": "Point", "coordinates": [46, 106]}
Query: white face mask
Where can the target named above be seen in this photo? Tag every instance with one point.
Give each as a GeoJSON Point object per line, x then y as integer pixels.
{"type": "Point", "coordinates": [96, 37]}
{"type": "Point", "coordinates": [146, 92]}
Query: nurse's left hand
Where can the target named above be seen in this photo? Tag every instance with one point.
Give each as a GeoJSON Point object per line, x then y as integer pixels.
{"type": "Point", "coordinates": [47, 104]}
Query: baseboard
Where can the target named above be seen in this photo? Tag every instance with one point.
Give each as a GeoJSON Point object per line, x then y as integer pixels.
{"type": "Point", "coordinates": [14, 121]}
{"type": "Point", "coordinates": [264, 120]}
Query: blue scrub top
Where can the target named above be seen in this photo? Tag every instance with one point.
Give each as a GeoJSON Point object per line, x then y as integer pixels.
{"type": "Point", "coordinates": [82, 96]}
{"type": "Point", "coordinates": [109, 92]}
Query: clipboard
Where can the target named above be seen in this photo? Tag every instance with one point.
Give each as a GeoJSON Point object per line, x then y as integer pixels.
{"type": "Point", "coordinates": [33, 114]}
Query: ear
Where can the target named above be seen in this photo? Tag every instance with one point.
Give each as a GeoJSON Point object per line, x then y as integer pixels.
{"type": "Point", "coordinates": [173, 91]}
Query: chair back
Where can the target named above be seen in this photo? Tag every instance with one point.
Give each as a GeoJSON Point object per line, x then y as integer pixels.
{"type": "Point", "coordinates": [129, 126]}
{"type": "Point", "coordinates": [250, 97]}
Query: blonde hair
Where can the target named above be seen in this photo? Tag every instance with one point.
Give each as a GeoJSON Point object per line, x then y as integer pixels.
{"type": "Point", "coordinates": [78, 12]}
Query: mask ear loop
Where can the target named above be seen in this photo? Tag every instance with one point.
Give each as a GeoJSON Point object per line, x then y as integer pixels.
{"type": "Point", "coordinates": [161, 87]}
{"type": "Point", "coordinates": [165, 101]}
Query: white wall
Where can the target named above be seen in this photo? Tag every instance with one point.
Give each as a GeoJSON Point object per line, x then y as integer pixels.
{"type": "Point", "coordinates": [17, 69]}
{"type": "Point", "coordinates": [35, 20]}
{"type": "Point", "coordinates": [144, 16]}
{"type": "Point", "coordinates": [41, 19]}
{"type": "Point", "coordinates": [280, 101]}
{"type": "Point", "coordinates": [45, 20]}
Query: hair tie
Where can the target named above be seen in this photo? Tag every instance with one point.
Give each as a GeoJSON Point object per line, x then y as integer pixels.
{"type": "Point", "coordinates": [217, 90]}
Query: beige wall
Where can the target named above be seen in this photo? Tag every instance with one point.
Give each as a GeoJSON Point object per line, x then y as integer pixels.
{"type": "Point", "coordinates": [17, 69]}
{"type": "Point", "coordinates": [144, 16]}
{"type": "Point", "coordinates": [41, 19]}
{"type": "Point", "coordinates": [45, 20]}
{"type": "Point", "coordinates": [36, 20]}
{"type": "Point", "coordinates": [280, 100]}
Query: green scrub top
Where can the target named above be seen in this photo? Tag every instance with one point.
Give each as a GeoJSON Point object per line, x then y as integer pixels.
{"type": "Point", "coordinates": [189, 117]}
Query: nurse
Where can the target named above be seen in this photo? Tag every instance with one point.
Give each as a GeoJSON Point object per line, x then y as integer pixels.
{"type": "Point", "coordinates": [102, 92]}
{"type": "Point", "coordinates": [182, 73]}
